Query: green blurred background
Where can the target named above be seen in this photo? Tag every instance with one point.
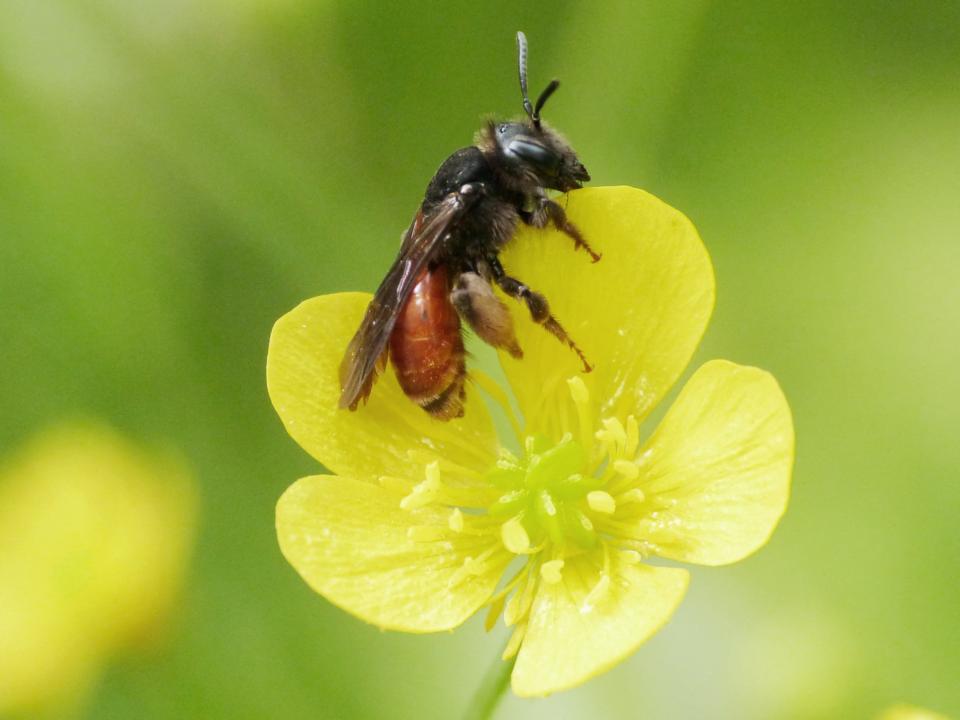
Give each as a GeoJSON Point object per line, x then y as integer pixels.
{"type": "Point", "coordinates": [175, 175]}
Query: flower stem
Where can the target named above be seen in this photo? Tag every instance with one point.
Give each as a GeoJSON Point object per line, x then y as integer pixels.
{"type": "Point", "coordinates": [490, 692]}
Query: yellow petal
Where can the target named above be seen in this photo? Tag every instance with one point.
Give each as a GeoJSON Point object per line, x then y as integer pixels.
{"type": "Point", "coordinates": [349, 540]}
{"type": "Point", "coordinates": [638, 314]}
{"type": "Point", "coordinates": [719, 464]}
{"type": "Point", "coordinates": [575, 633]}
{"type": "Point", "coordinates": [306, 347]}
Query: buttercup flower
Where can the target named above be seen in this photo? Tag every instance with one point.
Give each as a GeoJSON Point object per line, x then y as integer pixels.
{"type": "Point", "coordinates": [418, 524]}
{"type": "Point", "coordinates": [95, 536]}
{"type": "Point", "coordinates": [910, 712]}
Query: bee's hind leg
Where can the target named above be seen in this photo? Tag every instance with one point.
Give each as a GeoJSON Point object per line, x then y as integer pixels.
{"type": "Point", "coordinates": [538, 306]}
{"type": "Point", "coordinates": [484, 312]}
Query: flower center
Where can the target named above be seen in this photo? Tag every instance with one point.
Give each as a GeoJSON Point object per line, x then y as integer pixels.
{"type": "Point", "coordinates": [547, 495]}
{"type": "Point", "coordinates": [555, 501]}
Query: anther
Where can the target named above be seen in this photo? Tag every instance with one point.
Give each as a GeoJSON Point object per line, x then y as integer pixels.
{"type": "Point", "coordinates": [550, 571]}
{"type": "Point", "coordinates": [628, 469]}
{"type": "Point", "coordinates": [601, 502]}
{"type": "Point", "coordinates": [514, 536]}
{"type": "Point", "coordinates": [634, 495]}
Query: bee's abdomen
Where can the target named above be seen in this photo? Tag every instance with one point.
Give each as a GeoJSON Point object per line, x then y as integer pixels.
{"type": "Point", "coordinates": [427, 349]}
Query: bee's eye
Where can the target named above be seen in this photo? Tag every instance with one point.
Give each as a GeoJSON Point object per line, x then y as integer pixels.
{"type": "Point", "coordinates": [502, 129]}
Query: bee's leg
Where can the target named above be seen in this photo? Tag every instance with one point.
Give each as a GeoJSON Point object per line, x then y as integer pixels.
{"type": "Point", "coordinates": [550, 211]}
{"type": "Point", "coordinates": [483, 311]}
{"type": "Point", "coordinates": [538, 306]}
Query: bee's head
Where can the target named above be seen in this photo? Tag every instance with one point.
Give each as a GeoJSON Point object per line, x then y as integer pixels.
{"type": "Point", "coordinates": [531, 149]}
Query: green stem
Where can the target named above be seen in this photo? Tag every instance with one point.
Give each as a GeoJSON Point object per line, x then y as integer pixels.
{"type": "Point", "coordinates": [491, 690]}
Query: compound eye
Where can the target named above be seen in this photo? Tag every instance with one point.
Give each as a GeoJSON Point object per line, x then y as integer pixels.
{"type": "Point", "coordinates": [533, 153]}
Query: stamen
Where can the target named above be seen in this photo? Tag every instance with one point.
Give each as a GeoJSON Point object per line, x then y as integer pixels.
{"type": "Point", "coordinates": [456, 520]}
{"type": "Point", "coordinates": [518, 577]}
{"type": "Point", "coordinates": [634, 495]}
{"type": "Point", "coordinates": [630, 557]}
{"type": "Point", "coordinates": [423, 493]}
{"type": "Point", "coordinates": [493, 614]}
{"type": "Point", "coordinates": [628, 469]}
{"type": "Point", "coordinates": [581, 400]}
{"type": "Point", "coordinates": [513, 645]}
{"type": "Point", "coordinates": [550, 571]}
{"type": "Point", "coordinates": [433, 490]}
{"type": "Point", "coordinates": [472, 567]}
{"type": "Point", "coordinates": [601, 502]}
{"type": "Point", "coordinates": [514, 536]}
{"type": "Point", "coordinates": [617, 433]}
{"type": "Point", "coordinates": [448, 466]}
{"type": "Point", "coordinates": [519, 605]}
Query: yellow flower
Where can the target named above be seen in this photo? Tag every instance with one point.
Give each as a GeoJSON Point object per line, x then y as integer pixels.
{"type": "Point", "coordinates": [94, 538]}
{"type": "Point", "coordinates": [421, 519]}
{"type": "Point", "coordinates": [910, 712]}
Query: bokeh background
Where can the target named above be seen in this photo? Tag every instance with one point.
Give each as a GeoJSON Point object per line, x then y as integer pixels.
{"type": "Point", "coordinates": [175, 175]}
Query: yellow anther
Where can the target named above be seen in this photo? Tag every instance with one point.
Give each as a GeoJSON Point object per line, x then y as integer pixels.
{"type": "Point", "coordinates": [581, 400]}
{"type": "Point", "coordinates": [425, 492]}
{"type": "Point", "coordinates": [514, 536]}
{"type": "Point", "coordinates": [550, 571]}
{"type": "Point", "coordinates": [634, 495]}
{"type": "Point", "coordinates": [630, 557]}
{"type": "Point", "coordinates": [628, 469]}
{"type": "Point", "coordinates": [615, 428]}
{"type": "Point", "coordinates": [601, 502]}
{"type": "Point", "coordinates": [578, 390]}
{"type": "Point", "coordinates": [455, 520]}
{"type": "Point", "coordinates": [421, 495]}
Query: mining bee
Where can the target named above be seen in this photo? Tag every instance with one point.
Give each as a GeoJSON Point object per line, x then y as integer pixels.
{"type": "Point", "coordinates": [449, 260]}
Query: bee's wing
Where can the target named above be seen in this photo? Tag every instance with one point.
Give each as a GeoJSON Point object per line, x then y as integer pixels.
{"type": "Point", "coordinates": [366, 355]}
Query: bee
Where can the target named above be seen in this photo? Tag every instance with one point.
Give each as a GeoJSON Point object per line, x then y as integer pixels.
{"type": "Point", "coordinates": [449, 261]}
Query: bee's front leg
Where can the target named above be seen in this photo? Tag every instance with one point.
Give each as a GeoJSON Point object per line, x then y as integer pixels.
{"type": "Point", "coordinates": [538, 306]}
{"type": "Point", "coordinates": [550, 211]}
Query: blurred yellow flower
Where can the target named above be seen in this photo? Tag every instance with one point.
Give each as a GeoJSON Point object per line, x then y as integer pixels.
{"type": "Point", "coordinates": [910, 712]}
{"type": "Point", "coordinates": [94, 539]}
{"type": "Point", "coordinates": [417, 528]}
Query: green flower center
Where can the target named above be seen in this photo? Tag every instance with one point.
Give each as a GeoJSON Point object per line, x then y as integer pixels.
{"type": "Point", "coordinates": [547, 495]}
{"type": "Point", "coordinates": [556, 501]}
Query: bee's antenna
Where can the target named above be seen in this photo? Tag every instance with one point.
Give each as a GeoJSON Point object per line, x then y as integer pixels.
{"type": "Point", "coordinates": [541, 101]}
{"type": "Point", "coordinates": [522, 51]}
{"type": "Point", "coordinates": [532, 111]}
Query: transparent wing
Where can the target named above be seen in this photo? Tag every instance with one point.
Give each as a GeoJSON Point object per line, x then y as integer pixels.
{"type": "Point", "coordinates": [366, 355]}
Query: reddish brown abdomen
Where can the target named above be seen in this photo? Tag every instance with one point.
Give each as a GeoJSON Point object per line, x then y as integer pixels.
{"type": "Point", "coordinates": [427, 349]}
